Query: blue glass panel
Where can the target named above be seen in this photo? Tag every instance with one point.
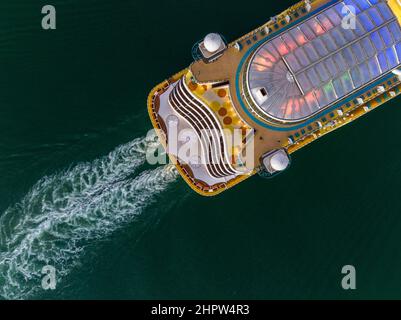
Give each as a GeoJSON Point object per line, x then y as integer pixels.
{"type": "Point", "coordinates": [302, 57]}
{"type": "Point", "coordinates": [375, 16]}
{"type": "Point", "coordinates": [374, 67]}
{"type": "Point", "coordinates": [359, 29]}
{"type": "Point", "coordinates": [395, 30]}
{"type": "Point", "coordinates": [307, 31]}
{"type": "Point", "coordinates": [366, 22]}
{"type": "Point", "coordinates": [338, 86]}
{"type": "Point", "coordinates": [298, 36]}
{"type": "Point", "coordinates": [266, 55]}
{"type": "Point", "coordinates": [324, 21]}
{"type": "Point", "coordinates": [313, 77]}
{"type": "Point", "coordinates": [351, 4]}
{"type": "Point", "coordinates": [349, 56]}
{"type": "Point", "coordinates": [339, 9]}
{"type": "Point", "coordinates": [391, 57]}
{"type": "Point", "coordinates": [311, 101]}
{"type": "Point", "coordinates": [386, 37]}
{"type": "Point", "coordinates": [320, 47]}
{"type": "Point", "coordinates": [358, 52]}
{"type": "Point", "coordinates": [315, 26]}
{"type": "Point", "coordinates": [338, 37]}
{"type": "Point", "coordinates": [373, 2]}
{"type": "Point", "coordinates": [398, 50]}
{"type": "Point", "coordinates": [280, 46]}
{"type": "Point", "coordinates": [334, 17]}
{"type": "Point", "coordinates": [329, 92]}
{"type": "Point", "coordinates": [347, 83]}
{"type": "Point", "coordinates": [383, 62]}
{"type": "Point", "coordinates": [339, 61]}
{"type": "Point", "coordinates": [322, 71]}
{"type": "Point", "coordinates": [293, 62]}
{"type": "Point", "coordinates": [311, 52]}
{"type": "Point", "coordinates": [364, 69]}
{"type": "Point", "coordinates": [304, 81]}
{"type": "Point", "coordinates": [321, 97]}
{"type": "Point", "coordinates": [377, 41]}
{"type": "Point", "coordinates": [331, 67]}
{"type": "Point", "coordinates": [349, 34]}
{"type": "Point", "coordinates": [270, 48]}
{"type": "Point", "coordinates": [356, 77]}
{"type": "Point", "coordinates": [363, 4]}
{"type": "Point", "coordinates": [289, 41]}
{"type": "Point", "coordinates": [368, 47]}
{"type": "Point", "coordinates": [329, 42]}
{"type": "Point", "coordinates": [385, 11]}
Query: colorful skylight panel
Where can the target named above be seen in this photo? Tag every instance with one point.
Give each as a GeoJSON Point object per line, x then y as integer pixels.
{"type": "Point", "coordinates": [319, 61]}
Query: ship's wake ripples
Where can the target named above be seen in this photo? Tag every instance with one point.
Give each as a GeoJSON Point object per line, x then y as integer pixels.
{"type": "Point", "coordinates": [64, 213]}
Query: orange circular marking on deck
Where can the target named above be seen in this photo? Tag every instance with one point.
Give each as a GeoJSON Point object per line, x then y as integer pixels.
{"type": "Point", "coordinates": [227, 121]}
{"type": "Point", "coordinates": [222, 112]}
{"type": "Point", "coordinates": [222, 93]}
{"type": "Point", "coordinates": [192, 86]}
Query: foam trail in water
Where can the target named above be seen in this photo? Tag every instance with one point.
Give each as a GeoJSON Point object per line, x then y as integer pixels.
{"type": "Point", "coordinates": [63, 213]}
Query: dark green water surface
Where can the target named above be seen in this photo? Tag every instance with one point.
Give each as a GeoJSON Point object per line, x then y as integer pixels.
{"type": "Point", "coordinates": [73, 95]}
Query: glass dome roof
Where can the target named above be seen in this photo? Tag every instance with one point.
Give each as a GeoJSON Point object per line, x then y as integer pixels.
{"type": "Point", "coordinates": [324, 59]}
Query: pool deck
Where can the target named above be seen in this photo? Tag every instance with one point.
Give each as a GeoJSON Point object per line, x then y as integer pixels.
{"type": "Point", "coordinates": [224, 69]}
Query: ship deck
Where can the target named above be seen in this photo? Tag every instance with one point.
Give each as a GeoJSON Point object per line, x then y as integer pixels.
{"type": "Point", "coordinates": [229, 68]}
{"type": "Point", "coordinates": [223, 70]}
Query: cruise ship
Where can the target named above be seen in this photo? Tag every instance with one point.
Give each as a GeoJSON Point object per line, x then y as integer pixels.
{"type": "Point", "coordinates": [243, 108]}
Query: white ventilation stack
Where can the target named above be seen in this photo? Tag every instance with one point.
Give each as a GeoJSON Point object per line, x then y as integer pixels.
{"type": "Point", "coordinates": [359, 100]}
{"type": "Point", "coordinates": [397, 72]}
{"type": "Point", "coordinates": [308, 5]}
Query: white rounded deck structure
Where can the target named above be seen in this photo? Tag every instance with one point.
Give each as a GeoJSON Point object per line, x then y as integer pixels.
{"type": "Point", "coordinates": [213, 42]}
{"type": "Point", "coordinates": [279, 162]}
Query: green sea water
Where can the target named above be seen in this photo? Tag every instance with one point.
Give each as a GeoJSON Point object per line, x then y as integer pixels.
{"type": "Point", "coordinates": [76, 193]}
